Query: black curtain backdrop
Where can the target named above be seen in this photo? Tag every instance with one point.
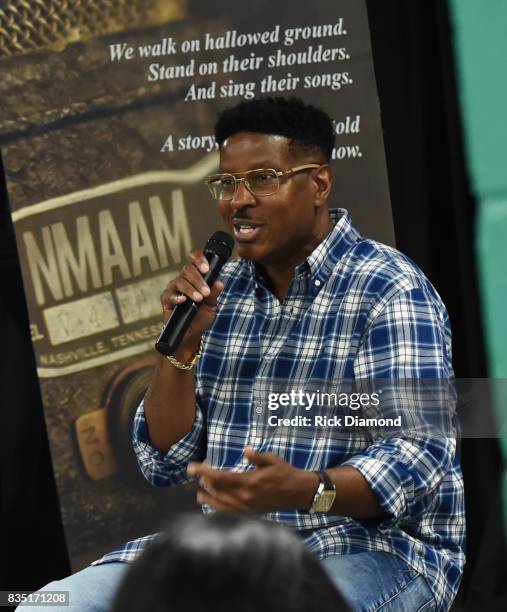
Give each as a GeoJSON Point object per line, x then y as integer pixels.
{"type": "Point", "coordinates": [34, 550]}
{"type": "Point", "coordinates": [434, 220]}
{"type": "Point", "coordinates": [434, 216]}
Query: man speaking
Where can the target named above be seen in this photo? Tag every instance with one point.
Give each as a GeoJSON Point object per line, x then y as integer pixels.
{"type": "Point", "coordinates": [308, 299]}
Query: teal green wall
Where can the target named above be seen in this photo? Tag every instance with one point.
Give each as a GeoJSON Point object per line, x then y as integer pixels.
{"type": "Point", "coordinates": [480, 37]}
{"type": "Point", "coordinates": [480, 33]}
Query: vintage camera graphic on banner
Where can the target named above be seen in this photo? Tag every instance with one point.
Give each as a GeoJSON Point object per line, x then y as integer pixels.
{"type": "Point", "coordinates": [97, 261]}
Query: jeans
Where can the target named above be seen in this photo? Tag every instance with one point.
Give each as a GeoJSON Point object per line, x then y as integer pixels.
{"type": "Point", "coordinates": [370, 581]}
{"type": "Point", "coordinates": [90, 590]}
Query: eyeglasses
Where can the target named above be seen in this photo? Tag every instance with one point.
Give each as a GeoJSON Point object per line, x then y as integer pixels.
{"type": "Point", "coordinates": [259, 182]}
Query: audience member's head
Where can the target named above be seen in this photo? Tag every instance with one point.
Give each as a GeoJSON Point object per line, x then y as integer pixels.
{"type": "Point", "coordinates": [227, 563]}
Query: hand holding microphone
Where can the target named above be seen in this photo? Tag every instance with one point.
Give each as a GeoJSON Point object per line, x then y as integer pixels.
{"type": "Point", "coordinates": [189, 301]}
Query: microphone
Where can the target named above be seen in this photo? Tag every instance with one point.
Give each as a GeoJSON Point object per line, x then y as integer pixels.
{"type": "Point", "coordinates": [217, 251]}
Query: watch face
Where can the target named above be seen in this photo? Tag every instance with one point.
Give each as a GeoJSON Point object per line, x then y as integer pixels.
{"type": "Point", "coordinates": [325, 501]}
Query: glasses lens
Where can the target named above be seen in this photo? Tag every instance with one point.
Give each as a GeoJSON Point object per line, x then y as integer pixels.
{"type": "Point", "coordinates": [262, 182]}
{"type": "Point", "coordinates": [223, 187]}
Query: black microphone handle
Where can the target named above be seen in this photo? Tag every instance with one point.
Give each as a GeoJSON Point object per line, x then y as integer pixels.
{"type": "Point", "coordinates": [183, 314]}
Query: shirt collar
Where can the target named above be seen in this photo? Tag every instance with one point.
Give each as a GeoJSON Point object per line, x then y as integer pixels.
{"type": "Point", "coordinates": [323, 258]}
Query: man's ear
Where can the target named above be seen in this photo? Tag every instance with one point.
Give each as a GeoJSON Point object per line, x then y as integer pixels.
{"type": "Point", "coordinates": [323, 181]}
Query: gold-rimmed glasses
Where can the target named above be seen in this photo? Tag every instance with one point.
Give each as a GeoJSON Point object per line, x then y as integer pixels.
{"type": "Point", "coordinates": [259, 182]}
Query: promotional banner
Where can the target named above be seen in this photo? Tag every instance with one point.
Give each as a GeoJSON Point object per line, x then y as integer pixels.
{"type": "Point", "coordinates": [106, 135]}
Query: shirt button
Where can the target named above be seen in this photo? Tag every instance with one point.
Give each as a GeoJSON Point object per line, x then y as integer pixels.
{"type": "Point", "coordinates": [317, 283]}
{"type": "Point", "coordinates": [258, 410]}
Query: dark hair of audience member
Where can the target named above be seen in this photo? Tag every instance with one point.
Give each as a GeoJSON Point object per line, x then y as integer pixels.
{"type": "Point", "coordinates": [227, 563]}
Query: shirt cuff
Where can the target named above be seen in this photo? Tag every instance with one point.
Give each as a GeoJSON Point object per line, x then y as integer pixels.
{"type": "Point", "coordinates": [168, 468]}
{"type": "Point", "coordinates": [404, 473]}
{"type": "Point", "coordinates": [384, 481]}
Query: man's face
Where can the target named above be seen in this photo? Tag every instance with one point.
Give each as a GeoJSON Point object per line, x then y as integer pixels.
{"type": "Point", "coordinates": [284, 223]}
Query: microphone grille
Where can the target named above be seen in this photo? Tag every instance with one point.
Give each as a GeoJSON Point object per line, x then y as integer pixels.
{"type": "Point", "coordinates": [223, 239]}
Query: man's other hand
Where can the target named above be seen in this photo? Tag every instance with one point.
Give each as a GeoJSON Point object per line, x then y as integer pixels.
{"type": "Point", "coordinates": [272, 485]}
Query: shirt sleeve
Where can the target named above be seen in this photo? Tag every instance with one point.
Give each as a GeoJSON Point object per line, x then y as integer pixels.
{"type": "Point", "coordinates": [409, 340]}
{"type": "Point", "coordinates": [170, 468]}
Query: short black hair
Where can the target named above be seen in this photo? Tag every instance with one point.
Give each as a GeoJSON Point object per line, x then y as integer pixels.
{"type": "Point", "coordinates": [227, 563]}
{"type": "Point", "coordinates": [306, 126]}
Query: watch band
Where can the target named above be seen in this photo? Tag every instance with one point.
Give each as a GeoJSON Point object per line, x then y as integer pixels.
{"type": "Point", "coordinates": [324, 478]}
{"type": "Point", "coordinates": [325, 495]}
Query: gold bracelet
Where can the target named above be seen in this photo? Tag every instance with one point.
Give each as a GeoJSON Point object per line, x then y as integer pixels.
{"type": "Point", "coordinates": [186, 366]}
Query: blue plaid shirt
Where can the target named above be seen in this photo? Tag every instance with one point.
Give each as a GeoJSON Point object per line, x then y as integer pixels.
{"type": "Point", "coordinates": [356, 309]}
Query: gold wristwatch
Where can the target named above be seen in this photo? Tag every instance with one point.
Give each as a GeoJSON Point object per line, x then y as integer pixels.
{"type": "Point", "coordinates": [325, 494]}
